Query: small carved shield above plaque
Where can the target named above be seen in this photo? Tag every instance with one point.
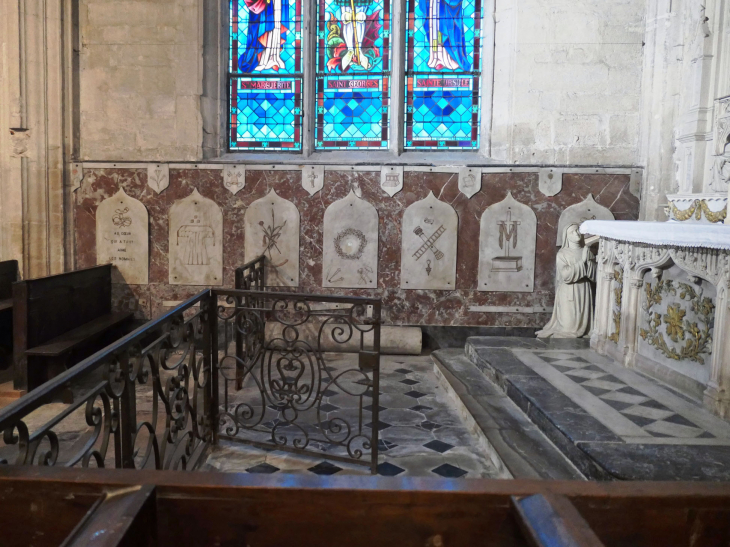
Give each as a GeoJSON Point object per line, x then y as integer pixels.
{"type": "Point", "coordinates": [158, 176]}
{"type": "Point", "coordinates": [429, 239]}
{"type": "Point", "coordinates": [551, 181]}
{"type": "Point", "coordinates": [196, 242]}
{"type": "Point", "coordinates": [350, 246]}
{"type": "Point", "coordinates": [580, 212]}
{"type": "Point", "coordinates": [391, 179]}
{"type": "Point", "coordinates": [470, 180]}
{"type": "Point", "coordinates": [234, 178]}
{"type": "Point", "coordinates": [507, 247]}
{"type": "Point", "coordinates": [122, 238]}
{"type": "Point", "coordinates": [272, 229]}
{"type": "Point", "coordinates": [313, 178]}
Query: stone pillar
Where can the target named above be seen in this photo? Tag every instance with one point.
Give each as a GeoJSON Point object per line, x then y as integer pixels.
{"type": "Point", "coordinates": [630, 309]}
{"type": "Point", "coordinates": [604, 306]}
{"type": "Point", "coordinates": [34, 112]}
{"type": "Point", "coordinates": [717, 394]}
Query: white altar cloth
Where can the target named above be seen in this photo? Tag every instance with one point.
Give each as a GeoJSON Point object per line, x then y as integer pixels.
{"type": "Point", "coordinates": [676, 234]}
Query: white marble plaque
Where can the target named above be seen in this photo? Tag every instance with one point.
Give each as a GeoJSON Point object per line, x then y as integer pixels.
{"type": "Point", "coordinates": [272, 229]}
{"type": "Point", "coordinates": [313, 178]}
{"type": "Point", "coordinates": [470, 180]}
{"type": "Point", "coordinates": [429, 238]}
{"type": "Point", "coordinates": [350, 244]}
{"type": "Point", "coordinates": [234, 178]}
{"type": "Point", "coordinates": [122, 238]}
{"type": "Point", "coordinates": [77, 175]}
{"type": "Point", "coordinates": [158, 176]}
{"type": "Point", "coordinates": [507, 242]}
{"type": "Point", "coordinates": [551, 181]}
{"type": "Point", "coordinates": [196, 242]}
{"type": "Point", "coordinates": [391, 179]}
{"type": "Point", "coordinates": [580, 212]}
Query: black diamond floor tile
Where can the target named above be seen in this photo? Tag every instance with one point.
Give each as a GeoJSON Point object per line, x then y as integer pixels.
{"type": "Point", "coordinates": [369, 408]}
{"type": "Point", "coordinates": [439, 446]}
{"type": "Point", "coordinates": [325, 468]}
{"type": "Point", "coordinates": [328, 407]}
{"type": "Point", "coordinates": [618, 405]}
{"type": "Point", "coordinates": [272, 423]}
{"type": "Point", "coordinates": [449, 471]}
{"type": "Point", "coordinates": [387, 469]}
{"type": "Point", "coordinates": [381, 425]}
{"type": "Point", "coordinates": [409, 382]}
{"type": "Point", "coordinates": [263, 468]}
{"type": "Point", "coordinates": [415, 394]}
{"type": "Point", "coordinates": [651, 403]}
{"type": "Point", "coordinates": [706, 435]}
{"type": "Point", "coordinates": [430, 426]}
{"type": "Point", "coordinates": [384, 446]}
{"type": "Point", "coordinates": [680, 420]}
{"type": "Point", "coordinates": [329, 393]}
{"type": "Point", "coordinates": [631, 391]}
{"type": "Point", "coordinates": [420, 408]}
{"type": "Point", "coordinates": [639, 420]}
{"type": "Point", "coordinates": [403, 370]}
{"type": "Point", "coordinates": [595, 390]}
{"type": "Point", "coordinates": [364, 382]}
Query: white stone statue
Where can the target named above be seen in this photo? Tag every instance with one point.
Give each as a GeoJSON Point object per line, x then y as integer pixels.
{"type": "Point", "coordinates": [575, 274]}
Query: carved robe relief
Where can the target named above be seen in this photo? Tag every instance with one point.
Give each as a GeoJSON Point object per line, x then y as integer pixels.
{"type": "Point", "coordinates": [350, 244]}
{"type": "Point", "coordinates": [272, 229]}
{"type": "Point", "coordinates": [429, 239]}
{"type": "Point", "coordinates": [507, 242]}
{"type": "Point", "coordinates": [196, 242]}
{"type": "Point", "coordinates": [122, 238]}
{"type": "Point", "coordinates": [588, 209]}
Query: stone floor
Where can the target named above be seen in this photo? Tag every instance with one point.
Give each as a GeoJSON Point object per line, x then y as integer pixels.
{"type": "Point", "coordinates": [422, 431]}
{"type": "Point", "coordinates": [612, 422]}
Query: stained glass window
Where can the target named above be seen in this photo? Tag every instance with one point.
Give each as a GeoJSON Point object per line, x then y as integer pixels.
{"type": "Point", "coordinates": [266, 75]}
{"type": "Point", "coordinates": [443, 73]}
{"type": "Point", "coordinates": [353, 74]}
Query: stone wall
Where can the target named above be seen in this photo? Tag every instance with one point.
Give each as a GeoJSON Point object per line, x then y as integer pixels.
{"type": "Point", "coordinates": [400, 307]}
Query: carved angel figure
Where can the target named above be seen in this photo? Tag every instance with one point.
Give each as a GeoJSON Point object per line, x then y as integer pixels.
{"type": "Point", "coordinates": [575, 275]}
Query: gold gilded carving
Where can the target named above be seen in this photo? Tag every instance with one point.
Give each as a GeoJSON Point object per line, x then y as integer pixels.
{"type": "Point", "coordinates": [695, 335]}
{"type": "Point", "coordinates": [618, 277]}
{"type": "Point", "coordinates": [697, 208]}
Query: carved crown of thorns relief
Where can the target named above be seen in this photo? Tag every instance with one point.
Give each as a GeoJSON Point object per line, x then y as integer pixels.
{"type": "Point", "coordinates": [348, 235]}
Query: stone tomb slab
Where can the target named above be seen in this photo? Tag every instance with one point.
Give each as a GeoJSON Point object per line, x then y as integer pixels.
{"type": "Point", "coordinates": [588, 209]}
{"type": "Point", "coordinates": [350, 244]}
{"type": "Point", "coordinates": [272, 229]}
{"type": "Point", "coordinates": [122, 238]}
{"type": "Point", "coordinates": [428, 254]}
{"type": "Point", "coordinates": [507, 247]}
{"type": "Point", "coordinates": [196, 242]}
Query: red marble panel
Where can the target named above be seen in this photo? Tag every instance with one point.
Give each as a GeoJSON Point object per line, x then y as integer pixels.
{"type": "Point", "coordinates": [400, 306]}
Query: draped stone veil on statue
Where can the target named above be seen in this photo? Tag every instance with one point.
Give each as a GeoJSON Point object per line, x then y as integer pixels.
{"type": "Point", "coordinates": [573, 311]}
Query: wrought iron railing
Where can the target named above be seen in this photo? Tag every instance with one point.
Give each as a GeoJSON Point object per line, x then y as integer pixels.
{"type": "Point", "coordinates": [241, 364]}
{"type": "Point", "coordinates": [168, 428]}
{"type": "Point", "coordinates": [251, 276]}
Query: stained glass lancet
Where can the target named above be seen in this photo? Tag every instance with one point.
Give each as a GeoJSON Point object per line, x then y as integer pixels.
{"type": "Point", "coordinates": [353, 74]}
{"type": "Point", "coordinates": [443, 73]}
{"type": "Point", "coordinates": [266, 75]}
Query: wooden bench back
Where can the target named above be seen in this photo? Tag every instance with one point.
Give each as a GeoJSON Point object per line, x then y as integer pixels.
{"type": "Point", "coordinates": [50, 306]}
{"type": "Point", "coordinates": [8, 276]}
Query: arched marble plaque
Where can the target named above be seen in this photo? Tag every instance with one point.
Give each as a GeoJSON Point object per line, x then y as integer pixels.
{"type": "Point", "coordinates": [350, 244]}
{"type": "Point", "coordinates": [196, 242]}
{"type": "Point", "coordinates": [507, 247]}
{"type": "Point", "coordinates": [429, 238]}
{"type": "Point", "coordinates": [580, 212]}
{"type": "Point", "coordinates": [122, 238]}
{"type": "Point", "coordinates": [272, 229]}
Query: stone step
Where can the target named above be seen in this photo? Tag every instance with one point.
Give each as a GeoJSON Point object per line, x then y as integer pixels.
{"type": "Point", "coordinates": [609, 421]}
{"type": "Point", "coordinates": [524, 450]}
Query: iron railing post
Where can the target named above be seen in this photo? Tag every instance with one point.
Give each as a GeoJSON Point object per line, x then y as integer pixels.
{"type": "Point", "coordinates": [128, 414]}
{"type": "Point", "coordinates": [376, 389]}
{"type": "Point", "coordinates": [211, 340]}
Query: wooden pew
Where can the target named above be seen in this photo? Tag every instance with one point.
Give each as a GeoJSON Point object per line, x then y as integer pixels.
{"type": "Point", "coordinates": [60, 320]}
{"type": "Point", "coordinates": [8, 276]}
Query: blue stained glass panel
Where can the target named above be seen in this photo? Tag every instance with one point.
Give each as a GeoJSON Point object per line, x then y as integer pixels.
{"type": "Point", "coordinates": [265, 74]}
{"type": "Point", "coordinates": [353, 73]}
{"type": "Point", "coordinates": [443, 73]}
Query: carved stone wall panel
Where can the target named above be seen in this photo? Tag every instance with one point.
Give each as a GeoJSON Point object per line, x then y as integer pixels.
{"type": "Point", "coordinates": [158, 176]}
{"type": "Point", "coordinates": [470, 180]}
{"type": "Point", "coordinates": [430, 236]}
{"type": "Point", "coordinates": [507, 242]}
{"type": "Point", "coordinates": [350, 244]}
{"type": "Point", "coordinates": [271, 228]}
{"type": "Point", "coordinates": [391, 179]}
{"type": "Point", "coordinates": [588, 209]}
{"type": "Point", "coordinates": [196, 242]}
{"type": "Point", "coordinates": [122, 238]}
{"type": "Point", "coordinates": [234, 178]}
{"type": "Point", "coordinates": [313, 178]}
